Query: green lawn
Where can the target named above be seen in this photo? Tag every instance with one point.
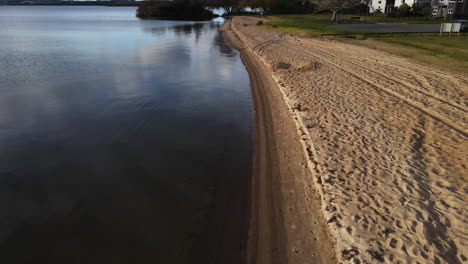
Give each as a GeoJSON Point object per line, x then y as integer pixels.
{"type": "Point", "coordinates": [309, 24]}
{"type": "Point", "coordinates": [450, 53]}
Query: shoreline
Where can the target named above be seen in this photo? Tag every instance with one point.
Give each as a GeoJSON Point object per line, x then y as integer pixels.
{"type": "Point", "coordinates": [282, 229]}
{"type": "Point", "coordinates": [371, 142]}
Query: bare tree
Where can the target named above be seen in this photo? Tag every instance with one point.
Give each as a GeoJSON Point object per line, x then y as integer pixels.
{"type": "Point", "coordinates": [334, 5]}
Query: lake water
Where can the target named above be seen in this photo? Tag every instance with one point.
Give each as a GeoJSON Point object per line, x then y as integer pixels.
{"type": "Point", "coordinates": [121, 140]}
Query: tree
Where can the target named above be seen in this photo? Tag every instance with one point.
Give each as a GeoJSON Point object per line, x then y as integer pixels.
{"type": "Point", "coordinates": [334, 5]}
{"type": "Point", "coordinates": [422, 9]}
{"type": "Point", "coordinates": [283, 6]}
{"type": "Point", "coordinates": [177, 10]}
{"type": "Point", "coordinates": [291, 6]}
{"type": "Point", "coordinates": [403, 10]}
{"type": "Point", "coordinates": [264, 4]}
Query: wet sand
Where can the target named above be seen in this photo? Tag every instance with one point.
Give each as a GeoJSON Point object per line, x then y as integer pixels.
{"type": "Point", "coordinates": [360, 156]}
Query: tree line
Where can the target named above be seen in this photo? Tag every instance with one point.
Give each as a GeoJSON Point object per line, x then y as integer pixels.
{"type": "Point", "coordinates": [193, 8]}
{"type": "Point", "coordinates": [200, 9]}
{"type": "Point", "coordinates": [277, 6]}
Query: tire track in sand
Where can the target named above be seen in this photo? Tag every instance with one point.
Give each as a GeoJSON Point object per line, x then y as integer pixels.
{"type": "Point", "coordinates": [421, 106]}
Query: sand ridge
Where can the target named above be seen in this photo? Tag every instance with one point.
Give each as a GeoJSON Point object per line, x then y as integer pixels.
{"type": "Point", "coordinates": [386, 141]}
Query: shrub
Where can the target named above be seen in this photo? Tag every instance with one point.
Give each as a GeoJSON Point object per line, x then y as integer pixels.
{"type": "Point", "coordinates": [259, 23]}
{"type": "Point", "coordinates": [423, 9]}
{"type": "Point", "coordinates": [404, 10]}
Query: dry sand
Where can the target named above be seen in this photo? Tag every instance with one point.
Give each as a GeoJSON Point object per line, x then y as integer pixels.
{"type": "Point", "coordinates": [361, 156]}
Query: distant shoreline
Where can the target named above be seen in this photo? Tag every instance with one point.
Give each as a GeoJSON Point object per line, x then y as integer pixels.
{"type": "Point", "coordinates": [77, 3]}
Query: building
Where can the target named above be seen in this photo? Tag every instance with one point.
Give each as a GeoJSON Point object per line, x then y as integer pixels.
{"type": "Point", "coordinates": [449, 8]}
{"type": "Point", "coordinates": [440, 8]}
{"type": "Point", "coordinates": [381, 6]}
{"type": "Point", "coordinates": [408, 2]}
{"type": "Point", "coordinates": [386, 6]}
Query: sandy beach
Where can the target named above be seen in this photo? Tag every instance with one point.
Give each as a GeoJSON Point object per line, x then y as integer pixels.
{"type": "Point", "coordinates": [360, 156]}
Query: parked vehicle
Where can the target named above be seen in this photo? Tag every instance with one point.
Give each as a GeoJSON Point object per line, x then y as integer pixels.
{"type": "Point", "coordinates": [266, 13]}
{"type": "Point", "coordinates": [464, 25]}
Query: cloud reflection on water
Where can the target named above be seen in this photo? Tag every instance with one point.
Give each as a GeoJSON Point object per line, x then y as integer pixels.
{"type": "Point", "coordinates": [114, 133]}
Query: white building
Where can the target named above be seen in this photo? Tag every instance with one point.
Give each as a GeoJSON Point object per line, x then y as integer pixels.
{"type": "Point", "coordinates": [386, 6]}
{"type": "Point", "coordinates": [448, 8]}
{"type": "Point", "coordinates": [408, 2]}
{"type": "Point", "coordinates": [379, 6]}
{"type": "Point", "coordinates": [440, 8]}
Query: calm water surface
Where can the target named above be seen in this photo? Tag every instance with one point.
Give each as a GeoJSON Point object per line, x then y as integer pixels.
{"type": "Point", "coordinates": [121, 140]}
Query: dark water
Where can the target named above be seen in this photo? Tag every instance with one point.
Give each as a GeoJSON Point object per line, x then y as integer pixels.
{"type": "Point", "coordinates": [121, 141]}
